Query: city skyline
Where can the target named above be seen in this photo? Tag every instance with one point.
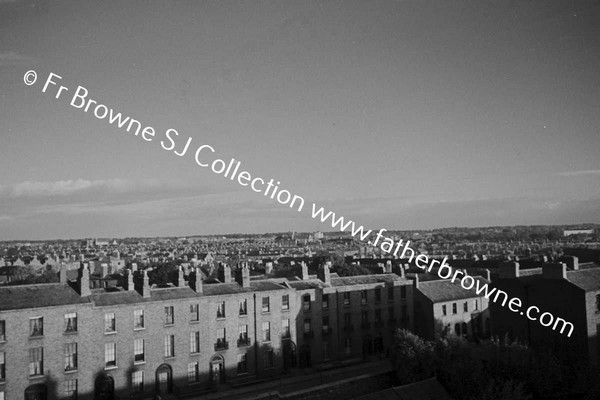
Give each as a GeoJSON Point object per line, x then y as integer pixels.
{"type": "Point", "coordinates": [404, 115]}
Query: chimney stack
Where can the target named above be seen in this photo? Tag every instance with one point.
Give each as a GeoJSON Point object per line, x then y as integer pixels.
{"type": "Point", "coordinates": [62, 274]}
{"type": "Point", "coordinates": [225, 273]}
{"type": "Point", "coordinates": [416, 281]}
{"type": "Point", "coordinates": [554, 271]}
{"type": "Point", "coordinates": [84, 281]}
{"type": "Point", "coordinates": [304, 270]}
{"type": "Point", "coordinates": [198, 282]}
{"type": "Point", "coordinates": [242, 275]}
{"type": "Point", "coordinates": [508, 270]}
{"type": "Point", "coordinates": [146, 285]}
{"type": "Point", "coordinates": [130, 286]}
{"type": "Point", "coordinates": [268, 268]}
{"type": "Point", "coordinates": [180, 277]}
{"type": "Point", "coordinates": [388, 267]}
{"type": "Point", "coordinates": [324, 274]}
{"type": "Point", "coordinates": [104, 268]}
{"type": "Point", "coordinates": [572, 262]}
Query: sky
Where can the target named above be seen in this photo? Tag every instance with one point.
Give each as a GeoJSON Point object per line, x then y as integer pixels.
{"type": "Point", "coordinates": [395, 114]}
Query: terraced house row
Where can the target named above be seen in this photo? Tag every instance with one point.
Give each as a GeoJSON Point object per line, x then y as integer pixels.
{"type": "Point", "coordinates": [74, 339]}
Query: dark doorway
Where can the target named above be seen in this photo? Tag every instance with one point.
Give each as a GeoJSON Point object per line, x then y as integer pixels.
{"type": "Point", "coordinates": [104, 388]}
{"type": "Point", "coordinates": [164, 379]}
{"type": "Point", "coordinates": [217, 370]}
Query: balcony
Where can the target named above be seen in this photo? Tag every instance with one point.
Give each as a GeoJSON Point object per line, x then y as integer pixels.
{"type": "Point", "coordinates": [308, 334]}
{"type": "Point", "coordinates": [365, 325]}
{"type": "Point", "coordinates": [243, 341]}
{"type": "Point", "coordinates": [348, 328]}
{"type": "Point", "coordinates": [221, 345]}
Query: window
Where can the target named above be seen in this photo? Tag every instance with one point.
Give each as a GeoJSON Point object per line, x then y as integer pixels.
{"type": "Point", "coordinates": [475, 305]}
{"type": "Point", "coordinates": [265, 305]}
{"type": "Point", "coordinates": [454, 310]}
{"type": "Point", "coordinates": [268, 358]}
{"type": "Point", "coordinates": [466, 307]}
{"type": "Point", "coordinates": [243, 336]}
{"type": "Point", "coordinates": [110, 324]}
{"type": "Point", "coordinates": [457, 329]}
{"type": "Point", "coordinates": [138, 319]}
{"type": "Point", "coordinates": [221, 340]}
{"type": "Point", "coordinates": [391, 293]}
{"type": "Point", "coordinates": [36, 326]}
{"type": "Point", "coordinates": [194, 372]}
{"type": "Point", "coordinates": [597, 303]}
{"type": "Point", "coordinates": [2, 366]}
{"type": "Point", "coordinates": [402, 292]}
{"type": "Point", "coordinates": [194, 312]}
{"type": "Point", "coordinates": [325, 301]}
{"type": "Point", "coordinates": [36, 361]}
{"type": "Point", "coordinates": [285, 302]}
{"type": "Point", "coordinates": [242, 364]}
{"type": "Point", "coordinates": [307, 326]}
{"type": "Point", "coordinates": [364, 319]}
{"type": "Point", "coordinates": [346, 298]}
{"type": "Point", "coordinates": [70, 356]}
{"type": "Point", "coordinates": [391, 313]}
{"type": "Point", "coordinates": [170, 346]}
{"type": "Point", "coordinates": [363, 297]}
{"type": "Point", "coordinates": [221, 310]}
{"type": "Point", "coordinates": [306, 302]}
{"type": "Point", "coordinates": [444, 310]}
{"type": "Point", "coordinates": [377, 295]}
{"type": "Point", "coordinates": [244, 307]}
{"type": "Point", "coordinates": [71, 389]}
{"type": "Point", "coordinates": [71, 322]}
{"type": "Point", "coordinates": [110, 355]}
{"type": "Point", "coordinates": [139, 355]}
{"type": "Point", "coordinates": [326, 352]}
{"type": "Point", "coordinates": [169, 315]}
{"type": "Point", "coordinates": [347, 320]}
{"type": "Point", "coordinates": [465, 328]}
{"type": "Point", "coordinates": [325, 325]}
{"type": "Point", "coordinates": [377, 316]}
{"type": "Point", "coordinates": [404, 312]}
{"type": "Point", "coordinates": [266, 329]}
{"type": "Point", "coordinates": [285, 327]}
{"type": "Point", "coordinates": [137, 381]}
{"type": "Point", "coordinates": [1, 394]}
{"type": "Point", "coordinates": [2, 330]}
{"type": "Point", "coordinates": [348, 346]}
{"type": "Point", "coordinates": [195, 342]}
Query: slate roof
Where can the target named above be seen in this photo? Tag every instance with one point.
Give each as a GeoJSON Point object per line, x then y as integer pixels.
{"type": "Point", "coordinates": [586, 279]}
{"type": "Point", "coordinates": [35, 296]}
{"type": "Point", "coordinates": [445, 290]}
{"type": "Point", "coordinates": [363, 279]}
{"type": "Point", "coordinates": [305, 285]}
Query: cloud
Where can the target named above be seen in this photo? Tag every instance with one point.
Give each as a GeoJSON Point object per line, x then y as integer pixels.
{"type": "Point", "coordinates": [592, 172]}
{"type": "Point", "coordinates": [33, 189]}
{"type": "Point", "coordinates": [8, 58]}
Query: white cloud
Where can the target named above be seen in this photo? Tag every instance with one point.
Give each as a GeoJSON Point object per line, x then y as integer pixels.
{"type": "Point", "coordinates": [69, 187]}
{"type": "Point", "coordinates": [581, 173]}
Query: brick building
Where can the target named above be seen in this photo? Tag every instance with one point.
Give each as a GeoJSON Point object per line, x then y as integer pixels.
{"type": "Point", "coordinates": [443, 307]}
{"type": "Point", "coordinates": [68, 340]}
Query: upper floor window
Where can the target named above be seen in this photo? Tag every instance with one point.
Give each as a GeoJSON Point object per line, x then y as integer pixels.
{"type": "Point", "coordinates": [325, 301]}
{"type": "Point", "coordinates": [363, 297]}
{"type": "Point", "coordinates": [70, 356]}
{"type": "Point", "coordinates": [402, 292]}
{"type": "Point", "coordinates": [138, 319]}
{"type": "Point", "coordinates": [466, 307]}
{"type": "Point", "coordinates": [454, 308]}
{"type": "Point", "coordinates": [36, 326]}
{"type": "Point", "coordinates": [71, 322]}
{"type": "Point", "coordinates": [598, 303]}
{"type": "Point", "coordinates": [2, 367]}
{"type": "Point", "coordinates": [2, 330]}
{"type": "Point", "coordinates": [285, 302]}
{"type": "Point", "coordinates": [306, 302]}
{"type": "Point", "coordinates": [377, 295]}
{"type": "Point", "coordinates": [391, 293]}
{"type": "Point", "coordinates": [195, 342]}
{"type": "Point", "coordinates": [139, 353]}
{"type": "Point", "coordinates": [475, 305]}
{"type": "Point", "coordinates": [194, 312]}
{"type": "Point", "coordinates": [110, 355]}
{"type": "Point", "coordinates": [346, 298]}
{"type": "Point", "coordinates": [221, 310]}
{"type": "Point", "coordinates": [244, 307]}
{"type": "Point", "coordinates": [36, 361]}
{"type": "Point", "coordinates": [285, 327]}
{"type": "Point", "coordinates": [444, 311]}
{"type": "Point", "coordinates": [266, 307]}
{"type": "Point", "coordinates": [266, 328]}
{"type": "Point", "coordinates": [169, 315]}
{"type": "Point", "coordinates": [110, 323]}
{"type": "Point", "coordinates": [170, 346]}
